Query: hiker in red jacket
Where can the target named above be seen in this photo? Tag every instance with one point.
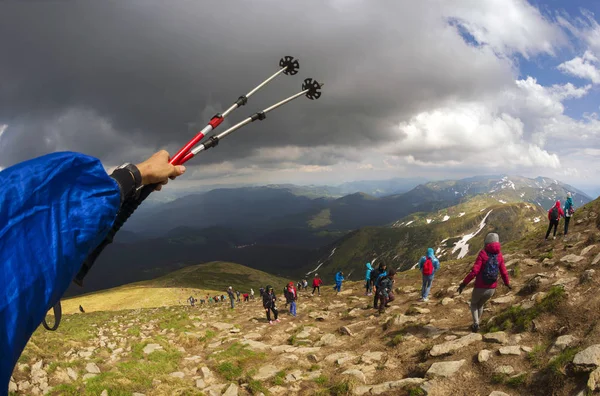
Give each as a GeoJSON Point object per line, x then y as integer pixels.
{"type": "Point", "coordinates": [317, 282]}
{"type": "Point", "coordinates": [554, 215]}
{"type": "Point", "coordinates": [485, 271]}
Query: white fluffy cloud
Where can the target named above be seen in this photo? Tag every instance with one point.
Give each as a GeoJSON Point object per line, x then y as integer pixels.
{"type": "Point", "coordinates": [507, 26]}
{"type": "Point", "coordinates": [585, 67]}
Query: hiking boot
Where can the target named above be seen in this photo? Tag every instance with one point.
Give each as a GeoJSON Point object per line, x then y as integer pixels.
{"type": "Point", "coordinates": [277, 320]}
{"type": "Point", "coordinates": [270, 322]}
{"type": "Point", "coordinates": [426, 299]}
{"type": "Point", "coordinates": [475, 328]}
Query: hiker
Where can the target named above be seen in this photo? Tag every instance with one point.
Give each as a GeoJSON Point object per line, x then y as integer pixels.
{"type": "Point", "coordinates": [262, 291]}
{"type": "Point", "coordinates": [568, 211]}
{"type": "Point", "coordinates": [285, 291]}
{"type": "Point", "coordinates": [238, 294]}
{"type": "Point", "coordinates": [299, 285]}
{"type": "Point", "coordinates": [317, 282]}
{"type": "Point", "coordinates": [246, 297]}
{"type": "Point", "coordinates": [339, 278]}
{"type": "Point", "coordinates": [368, 284]}
{"type": "Point", "coordinates": [269, 300]}
{"type": "Point", "coordinates": [231, 296]}
{"type": "Point", "coordinates": [385, 290]}
{"type": "Point", "coordinates": [304, 284]}
{"type": "Point", "coordinates": [202, 301]}
{"type": "Point", "coordinates": [291, 296]}
{"type": "Point", "coordinates": [376, 276]}
{"type": "Point", "coordinates": [81, 309]}
{"type": "Point", "coordinates": [488, 264]}
{"type": "Point", "coordinates": [428, 264]}
{"type": "Point", "coordinates": [55, 210]}
{"type": "Point", "coordinates": [191, 300]}
{"type": "Point", "coordinates": [252, 294]}
{"type": "Point", "coordinates": [554, 215]}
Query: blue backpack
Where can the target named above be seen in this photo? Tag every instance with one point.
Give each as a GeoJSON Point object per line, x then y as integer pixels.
{"type": "Point", "coordinates": [490, 269]}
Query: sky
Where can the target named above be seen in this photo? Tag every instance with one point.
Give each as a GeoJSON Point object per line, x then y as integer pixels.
{"type": "Point", "coordinates": [438, 89]}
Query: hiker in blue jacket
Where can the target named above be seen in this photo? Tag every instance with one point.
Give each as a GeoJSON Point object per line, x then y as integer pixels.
{"type": "Point", "coordinates": [428, 265]}
{"type": "Point", "coordinates": [368, 284]}
{"type": "Point", "coordinates": [569, 210]}
{"type": "Point", "coordinates": [55, 210]}
{"type": "Point", "coordinates": [339, 278]}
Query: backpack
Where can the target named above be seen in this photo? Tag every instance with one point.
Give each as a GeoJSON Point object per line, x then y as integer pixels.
{"type": "Point", "coordinates": [374, 275]}
{"type": "Point", "coordinates": [554, 214]}
{"type": "Point", "coordinates": [428, 266]}
{"type": "Point", "coordinates": [490, 269]}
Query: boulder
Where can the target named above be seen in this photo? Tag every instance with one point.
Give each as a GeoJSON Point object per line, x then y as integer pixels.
{"type": "Point", "coordinates": [593, 383]}
{"type": "Point", "coordinates": [508, 370]}
{"type": "Point", "coordinates": [370, 357]}
{"type": "Point", "coordinates": [510, 350]}
{"type": "Point", "coordinates": [357, 374]}
{"type": "Point", "coordinates": [92, 368]}
{"type": "Point", "coordinates": [589, 358]}
{"type": "Point", "coordinates": [499, 337]}
{"type": "Point", "coordinates": [256, 345]}
{"type": "Point", "coordinates": [266, 372]}
{"type": "Point", "coordinates": [572, 259]}
{"type": "Point", "coordinates": [327, 339]}
{"type": "Point", "coordinates": [596, 259]}
{"type": "Point", "coordinates": [222, 326]}
{"type": "Point", "coordinates": [232, 390]}
{"type": "Point", "coordinates": [498, 393]}
{"type": "Point", "coordinates": [148, 349]}
{"type": "Point", "coordinates": [484, 355]}
{"type": "Point", "coordinates": [588, 249]}
{"type": "Point", "coordinates": [504, 300]}
{"type": "Point", "coordinates": [444, 369]}
{"type": "Point", "coordinates": [562, 343]}
{"type": "Point", "coordinates": [451, 346]}
{"type": "Point", "coordinates": [177, 374]}
{"type": "Point", "coordinates": [336, 356]}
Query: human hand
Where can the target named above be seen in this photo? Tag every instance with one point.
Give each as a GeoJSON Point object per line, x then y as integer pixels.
{"type": "Point", "coordinates": [461, 288]}
{"type": "Point", "coordinates": [509, 287]}
{"type": "Point", "coordinates": [157, 169]}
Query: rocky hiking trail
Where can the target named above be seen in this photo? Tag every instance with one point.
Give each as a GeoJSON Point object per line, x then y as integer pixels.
{"type": "Point", "coordinates": [541, 338]}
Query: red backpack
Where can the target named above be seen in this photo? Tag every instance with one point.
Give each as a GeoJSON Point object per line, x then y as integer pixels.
{"type": "Point", "coordinates": [428, 267]}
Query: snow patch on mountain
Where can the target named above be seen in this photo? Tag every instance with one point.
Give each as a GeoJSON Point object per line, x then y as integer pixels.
{"type": "Point", "coordinates": [446, 218]}
{"type": "Point", "coordinates": [429, 221]}
{"type": "Point", "coordinates": [502, 201]}
{"type": "Point", "coordinates": [461, 214]}
{"type": "Point", "coordinates": [462, 245]}
{"type": "Point", "coordinates": [410, 222]}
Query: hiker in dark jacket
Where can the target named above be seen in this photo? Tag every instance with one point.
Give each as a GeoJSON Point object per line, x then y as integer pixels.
{"type": "Point", "coordinates": [569, 210]}
{"type": "Point", "coordinates": [485, 271]}
{"type": "Point", "coordinates": [231, 295]}
{"type": "Point", "coordinates": [291, 296]}
{"type": "Point", "coordinates": [269, 300]}
{"type": "Point", "coordinates": [238, 294]}
{"type": "Point", "coordinates": [428, 265]}
{"type": "Point", "coordinates": [554, 215]}
{"type": "Point", "coordinates": [385, 290]}
{"type": "Point", "coordinates": [376, 276]}
{"type": "Point", "coordinates": [191, 300]}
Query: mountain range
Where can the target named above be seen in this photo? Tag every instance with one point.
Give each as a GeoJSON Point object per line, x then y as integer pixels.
{"type": "Point", "coordinates": [282, 230]}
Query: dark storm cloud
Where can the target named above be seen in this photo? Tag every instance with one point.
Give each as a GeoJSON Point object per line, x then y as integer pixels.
{"type": "Point", "coordinates": [120, 79]}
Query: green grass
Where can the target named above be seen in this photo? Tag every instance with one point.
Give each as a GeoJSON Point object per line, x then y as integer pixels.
{"type": "Point", "coordinates": [229, 370]}
{"type": "Point", "coordinates": [498, 378]}
{"type": "Point", "coordinates": [535, 357]}
{"type": "Point", "coordinates": [134, 331]}
{"type": "Point", "coordinates": [321, 380]}
{"type": "Point", "coordinates": [255, 387]}
{"type": "Point", "coordinates": [397, 340]}
{"type": "Point", "coordinates": [553, 372]}
{"type": "Point", "coordinates": [279, 378]}
{"type": "Point", "coordinates": [321, 219]}
{"type": "Point", "coordinates": [416, 392]}
{"type": "Point", "coordinates": [517, 381]}
{"type": "Point", "coordinates": [547, 255]}
{"type": "Point", "coordinates": [518, 319]}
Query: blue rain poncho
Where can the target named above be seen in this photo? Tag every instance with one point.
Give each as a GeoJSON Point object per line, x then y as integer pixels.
{"type": "Point", "coordinates": [54, 210]}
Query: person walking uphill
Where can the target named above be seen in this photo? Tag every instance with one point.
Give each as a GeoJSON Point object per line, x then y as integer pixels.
{"type": "Point", "coordinates": [488, 264]}
{"type": "Point", "coordinates": [317, 282]}
{"type": "Point", "coordinates": [339, 278]}
{"type": "Point", "coordinates": [231, 295]}
{"type": "Point", "coordinates": [376, 277]}
{"type": "Point", "coordinates": [554, 215]}
{"type": "Point", "coordinates": [428, 265]}
{"type": "Point", "coordinates": [385, 290]}
{"type": "Point", "coordinates": [269, 300]}
{"type": "Point", "coordinates": [291, 296]}
{"type": "Point", "coordinates": [569, 211]}
{"type": "Point", "coordinates": [368, 284]}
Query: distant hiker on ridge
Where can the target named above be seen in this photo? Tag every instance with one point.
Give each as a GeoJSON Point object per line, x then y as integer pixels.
{"type": "Point", "coordinates": [317, 282]}
{"type": "Point", "coordinates": [246, 297]}
{"type": "Point", "coordinates": [376, 276]}
{"type": "Point", "coordinates": [385, 290]}
{"type": "Point", "coordinates": [269, 300]}
{"type": "Point", "coordinates": [291, 295]}
{"type": "Point", "coordinates": [237, 293]}
{"type": "Point", "coordinates": [191, 300]}
{"type": "Point", "coordinates": [569, 211]}
{"type": "Point", "coordinates": [81, 309]}
{"type": "Point", "coordinates": [554, 215]}
{"type": "Point", "coordinates": [339, 278]}
{"type": "Point", "coordinates": [428, 265]}
{"type": "Point", "coordinates": [485, 271]}
{"type": "Point", "coordinates": [231, 296]}
{"type": "Point", "coordinates": [251, 294]}
{"type": "Point", "coordinates": [368, 284]}
{"type": "Point", "coordinates": [304, 284]}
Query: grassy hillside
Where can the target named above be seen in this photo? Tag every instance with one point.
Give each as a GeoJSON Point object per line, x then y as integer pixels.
{"type": "Point", "coordinates": [402, 246]}
{"type": "Point", "coordinates": [174, 288]}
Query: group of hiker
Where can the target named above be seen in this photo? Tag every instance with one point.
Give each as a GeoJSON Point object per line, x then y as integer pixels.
{"type": "Point", "coordinates": [233, 296]}
{"type": "Point", "coordinates": [557, 212]}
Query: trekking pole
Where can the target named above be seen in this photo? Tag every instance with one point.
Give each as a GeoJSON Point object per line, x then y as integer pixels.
{"type": "Point", "coordinates": [288, 65]}
{"type": "Point", "coordinates": [310, 88]}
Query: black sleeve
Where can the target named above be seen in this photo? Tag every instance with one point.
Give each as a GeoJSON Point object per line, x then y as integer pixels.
{"type": "Point", "coordinates": [127, 183]}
